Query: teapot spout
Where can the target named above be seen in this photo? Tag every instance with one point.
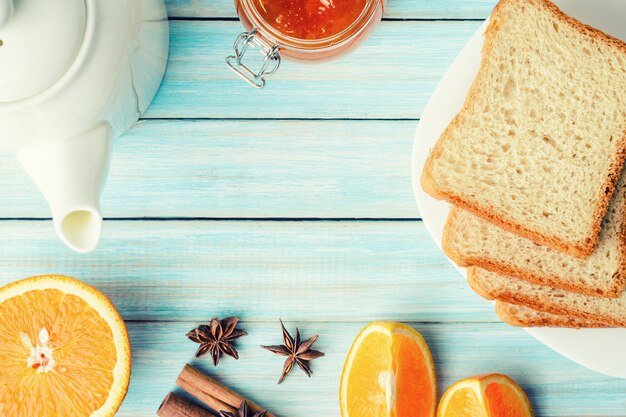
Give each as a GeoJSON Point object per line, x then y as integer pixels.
{"type": "Point", "coordinates": [71, 174]}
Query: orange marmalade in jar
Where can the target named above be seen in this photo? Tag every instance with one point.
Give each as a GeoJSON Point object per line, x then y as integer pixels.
{"type": "Point", "coordinates": [301, 30]}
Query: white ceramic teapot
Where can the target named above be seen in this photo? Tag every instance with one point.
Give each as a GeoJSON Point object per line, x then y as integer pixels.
{"type": "Point", "coordinates": [74, 74]}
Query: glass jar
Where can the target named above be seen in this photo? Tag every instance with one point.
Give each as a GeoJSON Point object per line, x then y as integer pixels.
{"type": "Point", "coordinates": [290, 29]}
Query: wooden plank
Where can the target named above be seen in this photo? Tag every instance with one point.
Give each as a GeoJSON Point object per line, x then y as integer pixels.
{"type": "Point", "coordinates": [346, 271]}
{"type": "Point", "coordinates": [213, 168]}
{"type": "Point", "coordinates": [556, 386]}
{"type": "Point", "coordinates": [396, 9]}
{"type": "Point", "coordinates": [388, 77]}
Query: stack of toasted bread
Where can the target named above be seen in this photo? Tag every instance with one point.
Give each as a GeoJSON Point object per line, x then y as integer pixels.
{"type": "Point", "coordinates": [532, 164]}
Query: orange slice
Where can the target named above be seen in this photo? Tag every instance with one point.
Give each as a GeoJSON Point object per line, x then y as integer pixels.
{"type": "Point", "coordinates": [389, 372]}
{"type": "Point", "coordinates": [492, 395]}
{"type": "Point", "coordinates": [64, 350]}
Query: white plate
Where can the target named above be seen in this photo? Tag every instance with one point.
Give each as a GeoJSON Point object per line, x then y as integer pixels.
{"type": "Point", "coordinates": [602, 350]}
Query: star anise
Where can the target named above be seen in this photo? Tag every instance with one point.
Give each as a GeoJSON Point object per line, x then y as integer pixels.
{"type": "Point", "coordinates": [217, 338]}
{"type": "Point", "coordinates": [296, 352]}
{"type": "Point", "coordinates": [243, 411]}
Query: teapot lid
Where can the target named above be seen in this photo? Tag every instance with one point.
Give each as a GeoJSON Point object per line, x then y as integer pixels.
{"type": "Point", "coordinates": [39, 41]}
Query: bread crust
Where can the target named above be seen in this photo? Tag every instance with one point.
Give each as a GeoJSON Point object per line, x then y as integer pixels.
{"type": "Point", "coordinates": [543, 320]}
{"type": "Point", "coordinates": [580, 249]}
{"type": "Point", "coordinates": [526, 300]}
{"type": "Point", "coordinates": [551, 281]}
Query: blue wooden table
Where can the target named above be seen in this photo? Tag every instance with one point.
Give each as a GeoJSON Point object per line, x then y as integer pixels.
{"type": "Point", "coordinates": [290, 202]}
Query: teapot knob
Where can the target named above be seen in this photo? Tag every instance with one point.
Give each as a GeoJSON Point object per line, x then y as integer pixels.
{"type": "Point", "coordinates": [6, 11]}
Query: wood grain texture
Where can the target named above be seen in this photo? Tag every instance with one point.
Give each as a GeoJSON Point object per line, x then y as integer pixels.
{"type": "Point", "coordinates": [390, 77]}
{"type": "Point", "coordinates": [396, 9]}
{"type": "Point", "coordinates": [556, 386]}
{"type": "Point", "coordinates": [267, 168]}
{"type": "Point", "coordinates": [323, 271]}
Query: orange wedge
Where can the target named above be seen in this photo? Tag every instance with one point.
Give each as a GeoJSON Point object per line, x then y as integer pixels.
{"type": "Point", "coordinates": [64, 350]}
{"type": "Point", "coordinates": [389, 372]}
{"type": "Point", "coordinates": [492, 395]}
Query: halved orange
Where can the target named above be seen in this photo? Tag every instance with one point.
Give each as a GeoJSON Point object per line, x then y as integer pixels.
{"type": "Point", "coordinates": [389, 372]}
{"type": "Point", "coordinates": [493, 395]}
{"type": "Point", "coordinates": [64, 350]}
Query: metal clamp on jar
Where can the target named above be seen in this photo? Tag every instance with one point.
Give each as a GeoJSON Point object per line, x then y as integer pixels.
{"type": "Point", "coordinates": [299, 30]}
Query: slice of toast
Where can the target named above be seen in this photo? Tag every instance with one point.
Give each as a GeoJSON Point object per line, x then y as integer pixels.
{"type": "Point", "coordinates": [470, 240]}
{"type": "Point", "coordinates": [541, 139]}
{"type": "Point", "coordinates": [521, 316]}
{"type": "Point", "coordinates": [494, 286]}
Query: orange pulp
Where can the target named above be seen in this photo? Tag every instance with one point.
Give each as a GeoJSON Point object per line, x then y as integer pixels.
{"type": "Point", "coordinates": [414, 385]}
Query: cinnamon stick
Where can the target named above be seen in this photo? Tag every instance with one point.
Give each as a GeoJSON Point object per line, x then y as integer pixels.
{"type": "Point", "coordinates": [211, 392]}
{"type": "Point", "coordinates": [176, 406]}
